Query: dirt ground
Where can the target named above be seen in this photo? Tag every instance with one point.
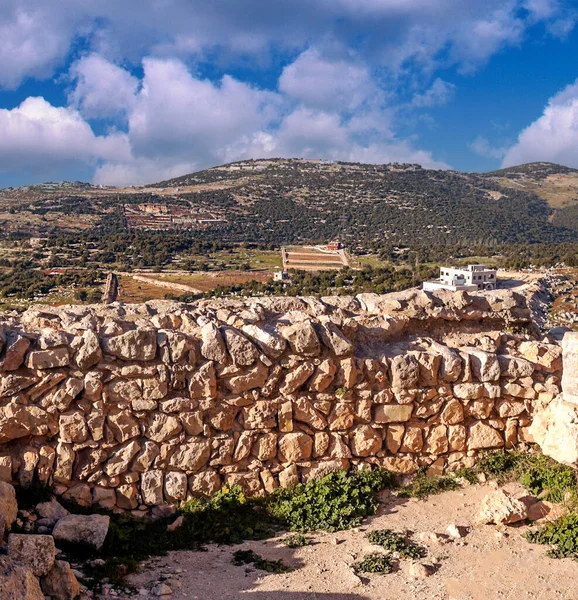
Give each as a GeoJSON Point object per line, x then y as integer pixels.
{"type": "Point", "coordinates": [486, 564]}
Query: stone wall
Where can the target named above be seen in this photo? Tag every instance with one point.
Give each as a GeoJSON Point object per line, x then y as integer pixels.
{"type": "Point", "coordinates": [133, 406]}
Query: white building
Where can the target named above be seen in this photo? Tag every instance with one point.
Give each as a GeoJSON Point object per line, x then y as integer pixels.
{"type": "Point", "coordinates": [281, 276]}
{"type": "Point", "coordinates": [470, 278]}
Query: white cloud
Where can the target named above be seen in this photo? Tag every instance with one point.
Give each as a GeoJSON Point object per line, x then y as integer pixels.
{"type": "Point", "coordinates": [326, 83]}
{"type": "Point", "coordinates": [483, 147]}
{"type": "Point", "coordinates": [552, 137]}
{"type": "Point", "coordinates": [38, 34]}
{"type": "Point", "coordinates": [31, 44]}
{"type": "Point", "coordinates": [102, 89]}
{"type": "Point", "coordinates": [440, 92]}
{"type": "Point", "coordinates": [39, 136]}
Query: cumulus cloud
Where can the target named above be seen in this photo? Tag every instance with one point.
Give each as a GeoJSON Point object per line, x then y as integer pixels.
{"type": "Point", "coordinates": [37, 34]}
{"type": "Point", "coordinates": [440, 92]}
{"type": "Point", "coordinates": [102, 89]}
{"type": "Point", "coordinates": [552, 137]}
{"type": "Point", "coordinates": [39, 136]}
{"type": "Point", "coordinates": [326, 82]}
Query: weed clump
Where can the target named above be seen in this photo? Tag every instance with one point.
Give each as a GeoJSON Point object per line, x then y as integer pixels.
{"type": "Point", "coordinates": [561, 535]}
{"type": "Point", "coordinates": [296, 540]}
{"type": "Point", "coordinates": [396, 543]}
{"type": "Point", "coordinates": [247, 557]}
{"type": "Point", "coordinates": [331, 503]}
{"type": "Point", "coordinates": [423, 486]}
{"type": "Point", "coordinates": [376, 562]}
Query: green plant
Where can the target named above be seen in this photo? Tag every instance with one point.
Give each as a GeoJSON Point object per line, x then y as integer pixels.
{"type": "Point", "coordinates": [296, 540]}
{"type": "Point", "coordinates": [423, 486]}
{"type": "Point", "coordinates": [246, 557]}
{"type": "Point", "coordinates": [333, 502]}
{"type": "Point", "coordinates": [549, 479]}
{"type": "Point", "coordinates": [561, 535]}
{"type": "Point", "coordinates": [395, 542]}
{"type": "Point", "coordinates": [375, 562]}
{"type": "Point", "coordinates": [500, 464]}
{"type": "Point", "coordinates": [467, 474]}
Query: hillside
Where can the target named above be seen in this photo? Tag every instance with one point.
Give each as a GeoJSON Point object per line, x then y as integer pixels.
{"type": "Point", "coordinates": [288, 200]}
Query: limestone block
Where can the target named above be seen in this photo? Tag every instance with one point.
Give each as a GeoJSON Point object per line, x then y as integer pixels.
{"type": "Point", "coordinates": [482, 436]}
{"type": "Point", "coordinates": [393, 413]}
{"type": "Point", "coordinates": [36, 552]}
{"type": "Point", "coordinates": [405, 372]}
{"type": "Point", "coordinates": [294, 447]}
{"type": "Point", "coordinates": [302, 338]}
{"type": "Point", "coordinates": [242, 351]}
{"type": "Point", "coordinates": [175, 486]}
{"type": "Point", "coordinates": [261, 415]}
{"type": "Point", "coordinates": [205, 483]}
{"type": "Point", "coordinates": [366, 441]}
{"type": "Point", "coordinates": [8, 505]}
{"type": "Point", "coordinates": [570, 370]}
{"type": "Point", "coordinates": [272, 345]}
{"type": "Point", "coordinates": [192, 455]}
{"type": "Point", "coordinates": [82, 529]}
{"type": "Point", "coordinates": [452, 413]}
{"type": "Point", "coordinates": [139, 344]}
{"type": "Point", "coordinates": [18, 582]}
{"type": "Point", "coordinates": [254, 378]}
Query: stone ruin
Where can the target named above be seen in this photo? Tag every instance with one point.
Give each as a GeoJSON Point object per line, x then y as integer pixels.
{"type": "Point", "coordinates": [132, 407]}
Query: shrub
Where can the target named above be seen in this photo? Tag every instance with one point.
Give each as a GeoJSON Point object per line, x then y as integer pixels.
{"type": "Point", "coordinates": [333, 502]}
{"type": "Point", "coordinates": [395, 542]}
{"type": "Point", "coordinates": [374, 563]}
{"type": "Point", "coordinates": [296, 540]}
{"type": "Point", "coordinates": [246, 557]}
{"type": "Point", "coordinates": [423, 486]}
{"type": "Point", "coordinates": [562, 535]}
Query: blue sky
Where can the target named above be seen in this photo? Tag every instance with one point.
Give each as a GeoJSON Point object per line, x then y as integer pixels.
{"type": "Point", "coordinates": [141, 90]}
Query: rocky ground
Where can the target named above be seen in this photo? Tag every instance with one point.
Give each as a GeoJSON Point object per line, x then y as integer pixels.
{"type": "Point", "coordinates": [488, 562]}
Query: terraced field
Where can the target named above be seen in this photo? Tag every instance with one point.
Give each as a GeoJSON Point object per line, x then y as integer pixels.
{"type": "Point", "coordinates": [312, 258]}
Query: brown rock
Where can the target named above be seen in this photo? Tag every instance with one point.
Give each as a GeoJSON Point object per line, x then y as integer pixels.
{"type": "Point", "coordinates": [213, 345]}
{"type": "Point", "coordinates": [366, 441]}
{"type": "Point", "coordinates": [18, 582]}
{"type": "Point", "coordinates": [82, 529]}
{"type": "Point", "coordinates": [294, 447]}
{"type": "Point", "coordinates": [261, 415]}
{"type": "Point", "coordinates": [140, 344]}
{"type": "Point", "coordinates": [436, 440]}
{"type": "Point", "coordinates": [452, 413]}
{"type": "Point", "coordinates": [33, 551]}
{"type": "Point", "coordinates": [393, 413]}
{"type": "Point", "coordinates": [191, 456]}
{"type": "Point", "coordinates": [302, 338]}
{"type": "Point", "coordinates": [205, 483]}
{"type": "Point", "coordinates": [341, 416]}
{"type": "Point", "coordinates": [161, 427]}
{"type": "Point", "coordinates": [60, 582]}
{"type": "Point", "coordinates": [501, 508]}
{"type": "Point", "coordinates": [481, 436]}
{"type": "Point", "coordinates": [8, 505]}
{"type": "Point", "coordinates": [16, 351]}
{"type": "Point", "coordinates": [254, 378]}
{"type": "Point", "coordinates": [73, 427]}
{"type": "Point", "coordinates": [296, 378]}
{"type": "Point", "coordinates": [242, 351]}
{"type": "Point", "coordinates": [323, 376]}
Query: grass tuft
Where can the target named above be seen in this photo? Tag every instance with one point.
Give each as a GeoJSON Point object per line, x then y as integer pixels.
{"type": "Point", "coordinates": [376, 562]}
{"type": "Point", "coordinates": [396, 543]}
{"type": "Point", "coordinates": [247, 557]}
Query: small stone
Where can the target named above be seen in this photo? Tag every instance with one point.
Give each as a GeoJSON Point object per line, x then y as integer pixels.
{"type": "Point", "coordinates": [161, 589]}
{"type": "Point", "coordinates": [500, 507]}
{"type": "Point", "coordinates": [420, 571]}
{"type": "Point", "coordinates": [456, 532]}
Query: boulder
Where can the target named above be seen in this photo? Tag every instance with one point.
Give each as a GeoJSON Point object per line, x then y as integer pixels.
{"type": "Point", "coordinates": [8, 504]}
{"type": "Point", "coordinates": [366, 441]}
{"type": "Point", "coordinates": [51, 511]}
{"type": "Point", "coordinates": [18, 582]}
{"type": "Point", "coordinates": [151, 485]}
{"type": "Point", "coordinates": [501, 508]}
{"type": "Point", "coordinates": [296, 378]}
{"type": "Point", "coordinates": [60, 582]}
{"type": "Point", "coordinates": [302, 338]}
{"type": "Point", "coordinates": [393, 413]}
{"type": "Point", "coordinates": [243, 352]}
{"type": "Point", "coordinates": [404, 372]}
{"type": "Point", "coordinates": [15, 352]}
{"type": "Point", "coordinates": [334, 339]}
{"type": "Point", "coordinates": [555, 430]}
{"type": "Point", "coordinates": [272, 345]}
{"type": "Point", "coordinates": [254, 378]}
{"type": "Point", "coordinates": [570, 369]}
{"type": "Point", "coordinates": [294, 447]}
{"type": "Point", "coordinates": [213, 346]}
{"type": "Point", "coordinates": [139, 344]}
{"type": "Point", "coordinates": [482, 436]}
{"type": "Point", "coordinates": [88, 353]}
{"type": "Point", "coordinates": [90, 530]}
{"type": "Point", "coordinates": [33, 551]}
{"type": "Point", "coordinates": [48, 359]}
